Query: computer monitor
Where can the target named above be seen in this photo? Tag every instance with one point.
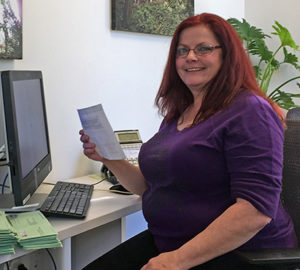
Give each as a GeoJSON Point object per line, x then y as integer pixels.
{"type": "Point", "coordinates": [26, 131]}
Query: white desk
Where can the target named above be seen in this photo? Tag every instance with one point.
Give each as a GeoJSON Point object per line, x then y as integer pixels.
{"type": "Point", "coordinates": [87, 239]}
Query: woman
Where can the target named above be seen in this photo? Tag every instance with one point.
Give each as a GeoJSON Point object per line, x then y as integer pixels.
{"type": "Point", "coordinates": [210, 178]}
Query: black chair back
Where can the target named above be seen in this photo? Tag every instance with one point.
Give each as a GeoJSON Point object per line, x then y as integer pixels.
{"type": "Point", "coordinates": [293, 114]}
{"type": "Point", "coordinates": [290, 195]}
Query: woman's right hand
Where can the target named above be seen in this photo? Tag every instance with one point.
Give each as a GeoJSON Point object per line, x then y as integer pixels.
{"type": "Point", "coordinates": [89, 148]}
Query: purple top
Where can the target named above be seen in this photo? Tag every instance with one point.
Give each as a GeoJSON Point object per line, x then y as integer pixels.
{"type": "Point", "coordinates": [195, 174]}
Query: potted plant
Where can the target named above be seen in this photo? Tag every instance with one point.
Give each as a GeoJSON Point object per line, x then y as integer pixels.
{"type": "Point", "coordinates": [266, 61]}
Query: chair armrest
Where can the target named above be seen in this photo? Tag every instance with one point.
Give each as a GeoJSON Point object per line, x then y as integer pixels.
{"type": "Point", "coordinates": [270, 256]}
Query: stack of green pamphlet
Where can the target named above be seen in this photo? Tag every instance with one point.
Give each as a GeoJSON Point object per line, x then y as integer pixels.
{"type": "Point", "coordinates": [29, 230]}
{"type": "Point", "coordinates": [33, 230]}
{"type": "Point", "coordinates": [8, 237]}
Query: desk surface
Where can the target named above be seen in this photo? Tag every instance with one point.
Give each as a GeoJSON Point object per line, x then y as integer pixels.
{"type": "Point", "coordinates": [104, 207]}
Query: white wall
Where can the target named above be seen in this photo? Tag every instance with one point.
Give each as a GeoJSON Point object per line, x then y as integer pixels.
{"type": "Point", "coordinates": [85, 63]}
{"type": "Point", "coordinates": [224, 8]}
{"type": "Point", "coordinates": [263, 14]}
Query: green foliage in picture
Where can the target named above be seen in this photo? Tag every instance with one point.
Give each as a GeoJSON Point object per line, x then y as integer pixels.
{"type": "Point", "coordinates": [268, 62]}
{"type": "Point", "coordinates": [10, 29]}
{"type": "Point", "coordinates": [154, 17]}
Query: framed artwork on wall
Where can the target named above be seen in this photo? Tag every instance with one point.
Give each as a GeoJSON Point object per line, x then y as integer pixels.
{"type": "Point", "coordinates": [11, 29]}
{"type": "Point", "coordinates": [159, 17]}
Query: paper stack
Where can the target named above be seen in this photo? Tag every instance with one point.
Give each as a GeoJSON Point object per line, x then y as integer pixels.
{"type": "Point", "coordinates": [8, 236]}
{"type": "Point", "coordinates": [33, 230]}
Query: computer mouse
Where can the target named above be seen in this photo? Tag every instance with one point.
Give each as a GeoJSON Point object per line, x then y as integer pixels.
{"type": "Point", "coordinates": [118, 188]}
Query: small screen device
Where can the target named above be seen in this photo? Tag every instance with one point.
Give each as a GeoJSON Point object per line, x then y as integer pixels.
{"type": "Point", "coordinates": [130, 141]}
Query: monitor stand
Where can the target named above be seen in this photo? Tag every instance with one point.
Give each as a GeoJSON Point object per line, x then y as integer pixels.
{"type": "Point", "coordinates": [7, 203]}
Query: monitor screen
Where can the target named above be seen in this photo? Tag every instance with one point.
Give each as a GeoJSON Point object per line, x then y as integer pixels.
{"type": "Point", "coordinates": [26, 130]}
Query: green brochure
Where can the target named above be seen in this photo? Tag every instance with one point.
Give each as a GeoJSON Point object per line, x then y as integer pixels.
{"type": "Point", "coordinates": [33, 230]}
{"type": "Point", "coordinates": [8, 236]}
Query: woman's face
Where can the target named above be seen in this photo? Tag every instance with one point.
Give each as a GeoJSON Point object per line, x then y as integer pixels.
{"type": "Point", "coordinates": [197, 70]}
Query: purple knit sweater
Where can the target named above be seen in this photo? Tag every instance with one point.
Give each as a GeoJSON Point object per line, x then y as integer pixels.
{"type": "Point", "coordinates": [195, 174]}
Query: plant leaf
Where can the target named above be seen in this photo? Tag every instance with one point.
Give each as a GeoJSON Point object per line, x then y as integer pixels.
{"type": "Point", "coordinates": [258, 72]}
{"type": "Point", "coordinates": [254, 38]}
{"type": "Point", "coordinates": [284, 35]}
{"type": "Point", "coordinates": [254, 43]}
{"type": "Point", "coordinates": [284, 99]}
{"type": "Point", "coordinates": [290, 58]}
{"type": "Point", "coordinates": [258, 47]}
{"type": "Point", "coordinates": [245, 31]}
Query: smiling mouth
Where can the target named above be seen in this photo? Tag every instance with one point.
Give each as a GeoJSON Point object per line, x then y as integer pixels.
{"type": "Point", "coordinates": [194, 69]}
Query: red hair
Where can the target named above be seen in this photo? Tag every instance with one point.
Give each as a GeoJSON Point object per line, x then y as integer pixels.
{"type": "Point", "coordinates": [235, 75]}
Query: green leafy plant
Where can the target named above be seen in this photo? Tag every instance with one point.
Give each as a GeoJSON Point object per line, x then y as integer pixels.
{"type": "Point", "coordinates": [267, 61]}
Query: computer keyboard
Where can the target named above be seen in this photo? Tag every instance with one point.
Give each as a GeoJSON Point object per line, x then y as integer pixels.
{"type": "Point", "coordinates": [68, 200]}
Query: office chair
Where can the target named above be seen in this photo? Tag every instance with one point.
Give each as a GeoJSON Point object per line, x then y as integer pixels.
{"type": "Point", "coordinates": [290, 197]}
{"type": "Point", "coordinates": [293, 114]}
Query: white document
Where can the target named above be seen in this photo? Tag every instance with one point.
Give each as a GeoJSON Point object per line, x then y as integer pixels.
{"type": "Point", "coordinates": [95, 124]}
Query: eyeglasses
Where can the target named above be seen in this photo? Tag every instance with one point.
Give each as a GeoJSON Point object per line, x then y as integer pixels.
{"type": "Point", "coordinates": [202, 49]}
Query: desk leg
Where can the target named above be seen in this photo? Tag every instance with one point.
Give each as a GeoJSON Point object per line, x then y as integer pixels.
{"type": "Point", "coordinates": [62, 256]}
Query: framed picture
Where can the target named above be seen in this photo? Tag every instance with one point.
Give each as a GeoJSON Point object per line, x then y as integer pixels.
{"type": "Point", "coordinates": [159, 17]}
{"type": "Point", "coordinates": [11, 29]}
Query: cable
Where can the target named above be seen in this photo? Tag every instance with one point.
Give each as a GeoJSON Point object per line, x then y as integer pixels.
{"type": "Point", "coordinates": [52, 259]}
{"type": "Point", "coordinates": [111, 190]}
{"type": "Point", "coordinates": [3, 185]}
{"type": "Point", "coordinates": [100, 181]}
{"type": "Point", "coordinates": [115, 191]}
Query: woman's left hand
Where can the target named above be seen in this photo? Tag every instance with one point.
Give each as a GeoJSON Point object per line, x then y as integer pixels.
{"type": "Point", "coordinates": [164, 261]}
